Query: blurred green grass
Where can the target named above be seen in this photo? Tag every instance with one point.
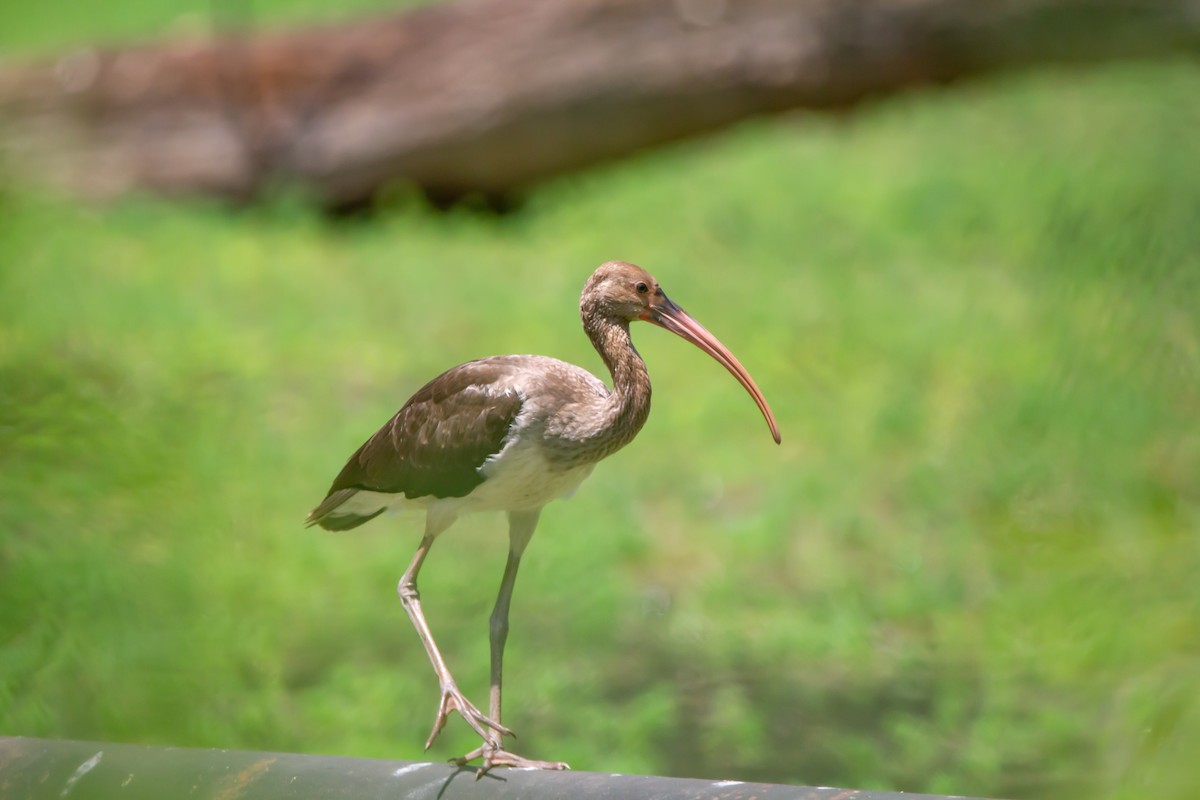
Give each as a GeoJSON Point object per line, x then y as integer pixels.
{"type": "Point", "coordinates": [970, 568]}
{"type": "Point", "coordinates": [52, 26]}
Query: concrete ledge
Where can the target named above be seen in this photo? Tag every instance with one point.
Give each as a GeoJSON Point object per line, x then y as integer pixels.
{"type": "Point", "coordinates": [51, 769]}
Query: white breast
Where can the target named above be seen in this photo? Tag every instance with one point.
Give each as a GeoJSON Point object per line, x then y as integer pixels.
{"type": "Point", "coordinates": [519, 477]}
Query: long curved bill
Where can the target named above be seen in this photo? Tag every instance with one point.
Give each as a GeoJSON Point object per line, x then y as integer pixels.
{"type": "Point", "coordinates": [665, 314]}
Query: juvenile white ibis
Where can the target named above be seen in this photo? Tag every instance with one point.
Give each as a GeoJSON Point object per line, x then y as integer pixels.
{"type": "Point", "coordinates": [512, 433]}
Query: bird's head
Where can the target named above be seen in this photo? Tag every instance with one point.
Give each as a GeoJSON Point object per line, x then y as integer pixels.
{"type": "Point", "coordinates": [625, 292]}
{"type": "Point", "coordinates": [620, 290]}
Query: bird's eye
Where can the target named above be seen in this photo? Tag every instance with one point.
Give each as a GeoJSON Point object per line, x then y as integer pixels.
{"type": "Point", "coordinates": [641, 287]}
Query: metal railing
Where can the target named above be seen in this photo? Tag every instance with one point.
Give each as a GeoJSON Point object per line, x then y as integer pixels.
{"type": "Point", "coordinates": [52, 769]}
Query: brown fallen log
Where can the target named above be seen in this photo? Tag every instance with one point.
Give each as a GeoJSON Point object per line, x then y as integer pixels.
{"type": "Point", "coordinates": [491, 96]}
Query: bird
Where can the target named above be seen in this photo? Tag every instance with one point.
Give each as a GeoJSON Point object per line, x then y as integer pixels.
{"type": "Point", "coordinates": [511, 433]}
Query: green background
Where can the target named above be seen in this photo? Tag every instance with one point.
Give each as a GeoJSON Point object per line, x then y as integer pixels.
{"type": "Point", "coordinates": [973, 566]}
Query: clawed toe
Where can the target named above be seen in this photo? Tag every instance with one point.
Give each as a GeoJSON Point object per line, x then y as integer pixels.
{"type": "Point", "coordinates": [496, 756]}
{"type": "Point", "coordinates": [453, 700]}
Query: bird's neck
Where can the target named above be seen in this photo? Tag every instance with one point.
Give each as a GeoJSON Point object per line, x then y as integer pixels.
{"type": "Point", "coordinates": [625, 409]}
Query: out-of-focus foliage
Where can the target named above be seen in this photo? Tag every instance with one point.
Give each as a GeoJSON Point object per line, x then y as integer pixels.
{"type": "Point", "coordinates": [971, 567]}
{"type": "Point", "coordinates": [50, 26]}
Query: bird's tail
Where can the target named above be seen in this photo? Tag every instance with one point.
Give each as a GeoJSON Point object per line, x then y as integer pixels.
{"type": "Point", "coordinates": [334, 515]}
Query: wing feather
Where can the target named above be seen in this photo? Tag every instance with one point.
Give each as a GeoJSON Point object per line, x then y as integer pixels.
{"type": "Point", "coordinates": [436, 443]}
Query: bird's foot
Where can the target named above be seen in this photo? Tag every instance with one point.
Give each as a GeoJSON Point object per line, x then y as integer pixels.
{"type": "Point", "coordinates": [496, 756]}
{"type": "Point", "coordinates": [453, 700]}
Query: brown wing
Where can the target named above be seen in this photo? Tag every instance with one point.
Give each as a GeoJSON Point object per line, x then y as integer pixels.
{"type": "Point", "coordinates": [436, 443]}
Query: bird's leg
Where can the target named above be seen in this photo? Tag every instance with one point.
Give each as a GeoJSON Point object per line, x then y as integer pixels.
{"type": "Point", "coordinates": [521, 525]}
{"type": "Point", "coordinates": [452, 699]}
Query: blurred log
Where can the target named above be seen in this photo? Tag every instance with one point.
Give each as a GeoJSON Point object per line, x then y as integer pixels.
{"type": "Point", "coordinates": [490, 96]}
